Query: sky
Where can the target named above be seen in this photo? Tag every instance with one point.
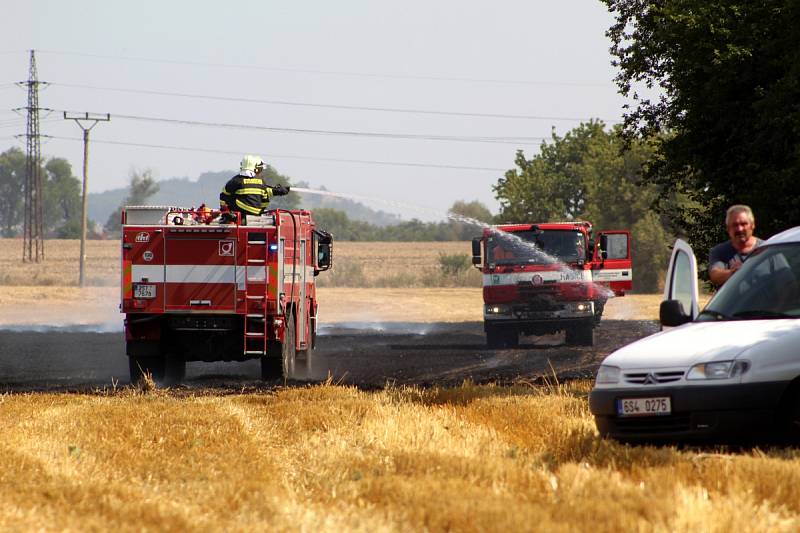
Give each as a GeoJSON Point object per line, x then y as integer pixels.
{"type": "Point", "coordinates": [415, 104]}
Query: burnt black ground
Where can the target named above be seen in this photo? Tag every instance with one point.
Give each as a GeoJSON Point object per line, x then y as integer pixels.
{"type": "Point", "coordinates": [368, 355]}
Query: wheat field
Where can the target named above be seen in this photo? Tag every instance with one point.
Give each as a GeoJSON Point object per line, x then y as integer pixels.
{"type": "Point", "coordinates": [333, 458]}
{"type": "Point", "coordinates": [356, 264]}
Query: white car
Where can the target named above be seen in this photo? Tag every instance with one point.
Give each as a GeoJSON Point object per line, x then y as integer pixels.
{"type": "Point", "coordinates": [732, 370]}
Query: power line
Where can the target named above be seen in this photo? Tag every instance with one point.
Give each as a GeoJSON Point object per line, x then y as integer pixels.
{"type": "Point", "coordinates": [326, 106]}
{"type": "Point", "coordinates": [407, 136]}
{"type": "Point", "coordinates": [276, 156]}
{"type": "Point", "coordinates": [339, 73]}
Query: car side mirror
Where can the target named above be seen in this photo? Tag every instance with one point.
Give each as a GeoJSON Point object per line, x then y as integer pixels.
{"type": "Point", "coordinates": [476, 251]}
{"type": "Point", "coordinates": [671, 313]}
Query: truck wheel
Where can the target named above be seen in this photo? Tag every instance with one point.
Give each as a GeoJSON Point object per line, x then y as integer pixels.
{"type": "Point", "coordinates": [288, 351]}
{"type": "Point", "coordinates": [174, 369]}
{"type": "Point", "coordinates": [494, 337]}
{"type": "Point", "coordinates": [511, 338]}
{"type": "Point", "coordinates": [303, 359]}
{"type": "Point", "coordinates": [271, 368]}
{"type": "Point", "coordinates": [280, 357]}
{"type": "Point", "coordinates": [580, 335]}
{"type": "Point", "coordinates": [141, 366]}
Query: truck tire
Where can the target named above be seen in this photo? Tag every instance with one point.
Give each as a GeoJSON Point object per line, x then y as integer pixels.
{"type": "Point", "coordinates": [141, 366]}
{"type": "Point", "coordinates": [502, 337]}
{"type": "Point", "coordinates": [580, 334]}
{"type": "Point", "coordinates": [304, 358]}
{"type": "Point", "coordinates": [174, 369]}
{"type": "Point", "coordinates": [271, 368]}
{"type": "Point", "coordinates": [280, 358]}
{"type": "Point", "coordinates": [288, 351]}
{"type": "Point", "coordinates": [511, 338]}
{"type": "Point", "coordinates": [494, 337]}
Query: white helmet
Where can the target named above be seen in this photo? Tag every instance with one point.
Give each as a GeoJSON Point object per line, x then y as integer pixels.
{"type": "Point", "coordinates": [252, 163]}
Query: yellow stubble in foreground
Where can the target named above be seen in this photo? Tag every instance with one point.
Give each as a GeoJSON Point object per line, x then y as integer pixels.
{"type": "Point", "coordinates": [335, 458]}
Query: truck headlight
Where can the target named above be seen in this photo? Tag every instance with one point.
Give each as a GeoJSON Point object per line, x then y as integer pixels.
{"type": "Point", "coordinates": [580, 307]}
{"type": "Point", "coordinates": [718, 370]}
{"type": "Point", "coordinates": [494, 309]}
{"type": "Point", "coordinates": [607, 374]}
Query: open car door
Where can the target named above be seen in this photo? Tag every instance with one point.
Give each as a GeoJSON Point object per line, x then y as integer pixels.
{"type": "Point", "coordinates": [681, 282]}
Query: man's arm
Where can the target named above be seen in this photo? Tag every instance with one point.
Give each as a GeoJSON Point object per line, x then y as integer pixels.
{"type": "Point", "coordinates": [720, 275]}
{"type": "Point", "coordinates": [718, 270]}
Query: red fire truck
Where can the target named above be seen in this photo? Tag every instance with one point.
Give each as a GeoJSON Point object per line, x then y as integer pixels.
{"type": "Point", "coordinates": [194, 289]}
{"type": "Point", "coordinates": [544, 278]}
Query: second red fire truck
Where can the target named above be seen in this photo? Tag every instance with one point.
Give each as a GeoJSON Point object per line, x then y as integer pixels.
{"type": "Point", "coordinates": [197, 290]}
{"type": "Point", "coordinates": [544, 278]}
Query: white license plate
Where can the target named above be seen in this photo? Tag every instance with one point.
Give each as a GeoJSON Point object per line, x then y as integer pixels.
{"type": "Point", "coordinates": [644, 406]}
{"type": "Point", "coordinates": [144, 291]}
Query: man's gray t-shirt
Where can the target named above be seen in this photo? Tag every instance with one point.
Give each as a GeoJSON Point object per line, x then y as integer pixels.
{"type": "Point", "coordinates": [724, 253]}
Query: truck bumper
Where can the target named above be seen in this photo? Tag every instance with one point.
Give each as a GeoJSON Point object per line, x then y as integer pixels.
{"type": "Point", "coordinates": [698, 412]}
{"type": "Point", "coordinates": [519, 313]}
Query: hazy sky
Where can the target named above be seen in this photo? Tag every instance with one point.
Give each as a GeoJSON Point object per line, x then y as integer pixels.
{"type": "Point", "coordinates": [545, 60]}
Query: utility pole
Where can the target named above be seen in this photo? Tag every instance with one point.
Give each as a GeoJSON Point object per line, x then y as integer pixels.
{"type": "Point", "coordinates": [33, 235]}
{"type": "Point", "coordinates": [86, 121]}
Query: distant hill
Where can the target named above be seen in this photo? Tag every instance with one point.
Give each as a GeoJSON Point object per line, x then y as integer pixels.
{"type": "Point", "coordinates": [184, 192]}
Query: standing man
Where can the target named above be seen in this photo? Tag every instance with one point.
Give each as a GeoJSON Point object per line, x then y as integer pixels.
{"type": "Point", "coordinates": [246, 192]}
{"type": "Point", "coordinates": [726, 258]}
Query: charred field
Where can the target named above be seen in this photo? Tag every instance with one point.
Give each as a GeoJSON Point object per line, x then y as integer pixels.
{"type": "Point", "coordinates": [406, 421]}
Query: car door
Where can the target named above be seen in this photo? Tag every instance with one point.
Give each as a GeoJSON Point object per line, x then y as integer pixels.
{"type": "Point", "coordinates": [612, 264]}
{"type": "Point", "coordinates": [681, 282]}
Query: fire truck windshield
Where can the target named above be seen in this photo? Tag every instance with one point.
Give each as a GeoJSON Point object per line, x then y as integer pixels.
{"type": "Point", "coordinates": [536, 247]}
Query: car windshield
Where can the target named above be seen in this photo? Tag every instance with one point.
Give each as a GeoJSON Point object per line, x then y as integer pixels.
{"type": "Point", "coordinates": [537, 247]}
{"type": "Point", "coordinates": [767, 286]}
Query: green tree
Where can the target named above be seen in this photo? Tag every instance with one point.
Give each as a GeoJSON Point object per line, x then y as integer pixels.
{"type": "Point", "coordinates": [723, 76]}
{"type": "Point", "coordinates": [62, 199]}
{"type": "Point", "coordinates": [142, 186]}
{"type": "Point", "coordinates": [554, 176]}
{"type": "Point", "coordinates": [592, 174]}
{"type": "Point", "coordinates": [12, 187]}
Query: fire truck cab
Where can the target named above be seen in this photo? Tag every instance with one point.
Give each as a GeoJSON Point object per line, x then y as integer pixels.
{"type": "Point", "coordinates": [544, 278]}
{"type": "Point", "coordinates": [194, 289]}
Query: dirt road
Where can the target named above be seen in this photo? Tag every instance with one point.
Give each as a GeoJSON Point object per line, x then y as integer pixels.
{"type": "Point", "coordinates": [365, 354]}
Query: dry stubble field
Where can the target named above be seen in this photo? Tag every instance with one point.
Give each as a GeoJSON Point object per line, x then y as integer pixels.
{"type": "Point", "coordinates": [330, 457]}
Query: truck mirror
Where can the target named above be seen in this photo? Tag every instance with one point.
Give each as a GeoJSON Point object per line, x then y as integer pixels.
{"type": "Point", "coordinates": [324, 251]}
{"type": "Point", "coordinates": [324, 255]}
{"type": "Point", "coordinates": [476, 251]}
{"type": "Point", "coordinates": [671, 313]}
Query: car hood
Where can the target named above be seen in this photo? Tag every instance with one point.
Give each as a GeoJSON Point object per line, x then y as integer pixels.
{"type": "Point", "coordinates": [699, 342]}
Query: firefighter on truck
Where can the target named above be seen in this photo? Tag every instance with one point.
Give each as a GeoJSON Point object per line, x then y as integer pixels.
{"type": "Point", "coordinates": [246, 192]}
{"type": "Point", "coordinates": [545, 278]}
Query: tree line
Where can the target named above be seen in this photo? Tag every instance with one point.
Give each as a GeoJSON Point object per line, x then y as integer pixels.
{"type": "Point", "coordinates": [722, 126]}
{"type": "Point", "coordinates": [61, 201]}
